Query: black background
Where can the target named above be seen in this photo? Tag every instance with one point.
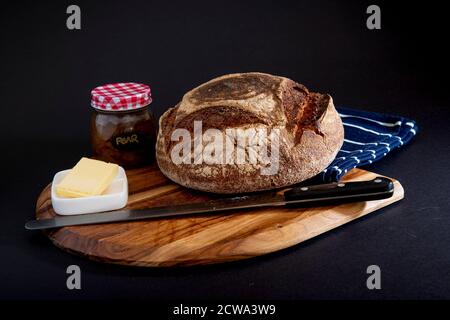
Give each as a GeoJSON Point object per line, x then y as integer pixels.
{"type": "Point", "coordinates": [47, 72]}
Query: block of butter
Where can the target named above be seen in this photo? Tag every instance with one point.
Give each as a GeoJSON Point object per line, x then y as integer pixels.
{"type": "Point", "coordinates": [89, 177]}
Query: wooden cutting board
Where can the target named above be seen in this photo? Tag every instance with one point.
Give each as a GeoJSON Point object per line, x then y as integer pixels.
{"type": "Point", "coordinates": [200, 239]}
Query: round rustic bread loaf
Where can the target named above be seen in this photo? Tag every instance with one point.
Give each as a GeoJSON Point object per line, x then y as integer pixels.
{"type": "Point", "coordinates": [308, 128]}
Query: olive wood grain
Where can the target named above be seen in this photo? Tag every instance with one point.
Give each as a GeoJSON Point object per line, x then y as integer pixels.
{"type": "Point", "coordinates": [199, 239]}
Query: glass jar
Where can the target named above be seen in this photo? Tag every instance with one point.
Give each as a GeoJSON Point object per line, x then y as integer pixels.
{"type": "Point", "coordinates": [123, 129]}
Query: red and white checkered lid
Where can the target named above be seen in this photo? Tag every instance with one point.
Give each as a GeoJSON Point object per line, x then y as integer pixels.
{"type": "Point", "coordinates": [121, 96]}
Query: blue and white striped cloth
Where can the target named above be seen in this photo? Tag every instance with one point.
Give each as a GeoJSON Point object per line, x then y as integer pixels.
{"type": "Point", "coordinates": [368, 137]}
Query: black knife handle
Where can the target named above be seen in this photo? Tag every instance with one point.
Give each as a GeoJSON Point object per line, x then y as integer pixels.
{"type": "Point", "coordinates": [340, 192]}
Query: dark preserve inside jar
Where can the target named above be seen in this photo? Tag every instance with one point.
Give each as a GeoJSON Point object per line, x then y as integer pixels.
{"type": "Point", "coordinates": [123, 133]}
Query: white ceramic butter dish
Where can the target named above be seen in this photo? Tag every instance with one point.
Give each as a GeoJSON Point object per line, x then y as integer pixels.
{"type": "Point", "coordinates": [115, 197]}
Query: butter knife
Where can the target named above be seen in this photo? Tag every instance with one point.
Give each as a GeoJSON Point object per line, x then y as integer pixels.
{"type": "Point", "coordinates": [302, 196]}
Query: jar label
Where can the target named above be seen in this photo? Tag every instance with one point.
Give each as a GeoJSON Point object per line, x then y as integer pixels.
{"type": "Point", "coordinates": [127, 140]}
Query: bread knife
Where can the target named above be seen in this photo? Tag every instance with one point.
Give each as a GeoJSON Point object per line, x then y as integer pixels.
{"type": "Point", "coordinates": [302, 196]}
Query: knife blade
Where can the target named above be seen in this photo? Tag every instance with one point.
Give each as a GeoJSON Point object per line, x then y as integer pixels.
{"type": "Point", "coordinates": [303, 196]}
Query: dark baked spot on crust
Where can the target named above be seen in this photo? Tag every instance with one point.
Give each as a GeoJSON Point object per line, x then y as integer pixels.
{"type": "Point", "coordinates": [238, 87]}
{"type": "Point", "coordinates": [316, 104]}
{"type": "Point", "coordinates": [303, 109]}
{"type": "Point", "coordinates": [293, 97]}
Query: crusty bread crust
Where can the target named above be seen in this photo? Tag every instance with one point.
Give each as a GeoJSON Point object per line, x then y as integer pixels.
{"type": "Point", "coordinates": [311, 131]}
